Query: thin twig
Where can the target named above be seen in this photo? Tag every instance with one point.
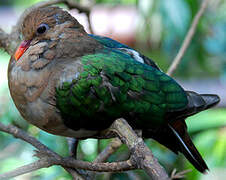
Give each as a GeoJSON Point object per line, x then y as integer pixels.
{"type": "Point", "coordinates": [70, 162]}
{"type": "Point", "coordinates": [52, 158]}
{"type": "Point", "coordinates": [180, 174]}
{"type": "Point", "coordinates": [18, 133]}
{"type": "Point", "coordinates": [75, 175]}
{"type": "Point", "coordinates": [109, 150]}
{"type": "Point", "coordinates": [141, 156]}
{"type": "Point", "coordinates": [188, 38]}
{"type": "Point", "coordinates": [106, 153]}
{"type": "Point", "coordinates": [25, 169]}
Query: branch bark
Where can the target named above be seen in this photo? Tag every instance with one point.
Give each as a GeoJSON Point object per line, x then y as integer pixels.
{"type": "Point", "coordinates": [188, 38]}
{"type": "Point", "coordinates": [25, 169]}
{"type": "Point", "coordinates": [140, 153]}
{"type": "Point", "coordinates": [109, 150]}
{"type": "Point", "coordinates": [141, 156]}
{"type": "Point", "coordinates": [49, 158]}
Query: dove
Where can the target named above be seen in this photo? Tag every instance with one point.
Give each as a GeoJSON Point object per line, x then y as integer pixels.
{"type": "Point", "coordinates": [74, 84]}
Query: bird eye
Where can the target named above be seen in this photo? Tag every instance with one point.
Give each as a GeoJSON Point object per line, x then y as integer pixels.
{"type": "Point", "coordinates": [42, 29]}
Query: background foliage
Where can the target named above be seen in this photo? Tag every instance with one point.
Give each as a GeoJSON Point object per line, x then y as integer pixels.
{"type": "Point", "coordinates": [160, 30]}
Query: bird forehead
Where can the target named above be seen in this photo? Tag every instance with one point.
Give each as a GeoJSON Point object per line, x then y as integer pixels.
{"type": "Point", "coordinates": [38, 17]}
{"type": "Point", "coordinates": [48, 15]}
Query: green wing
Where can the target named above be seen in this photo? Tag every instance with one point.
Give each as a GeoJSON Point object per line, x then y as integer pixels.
{"type": "Point", "coordinates": [111, 85]}
{"type": "Point", "coordinates": [111, 43]}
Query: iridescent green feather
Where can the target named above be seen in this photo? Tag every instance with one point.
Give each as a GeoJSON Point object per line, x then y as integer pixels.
{"type": "Point", "coordinates": [112, 84]}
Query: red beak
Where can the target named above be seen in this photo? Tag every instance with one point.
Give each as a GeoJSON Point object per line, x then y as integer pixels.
{"type": "Point", "coordinates": [22, 48]}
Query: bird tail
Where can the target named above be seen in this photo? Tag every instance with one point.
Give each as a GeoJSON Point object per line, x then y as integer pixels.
{"type": "Point", "coordinates": [174, 135]}
{"type": "Point", "coordinates": [196, 103]}
{"type": "Point", "coordinates": [210, 100]}
{"type": "Point", "coordinates": [186, 146]}
{"type": "Point", "coordinates": [199, 102]}
{"type": "Point", "coordinates": [178, 130]}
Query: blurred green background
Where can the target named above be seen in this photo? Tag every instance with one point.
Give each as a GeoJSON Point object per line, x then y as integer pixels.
{"type": "Point", "coordinates": [156, 28]}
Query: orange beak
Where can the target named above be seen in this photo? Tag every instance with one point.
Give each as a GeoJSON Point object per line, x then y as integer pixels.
{"type": "Point", "coordinates": [21, 49]}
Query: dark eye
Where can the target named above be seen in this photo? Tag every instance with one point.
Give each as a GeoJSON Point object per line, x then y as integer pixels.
{"type": "Point", "coordinates": [42, 29]}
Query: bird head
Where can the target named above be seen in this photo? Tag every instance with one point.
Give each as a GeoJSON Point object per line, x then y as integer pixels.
{"type": "Point", "coordinates": [45, 24]}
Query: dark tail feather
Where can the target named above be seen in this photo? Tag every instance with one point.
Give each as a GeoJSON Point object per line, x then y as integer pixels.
{"type": "Point", "coordinates": [175, 136]}
{"type": "Point", "coordinates": [187, 147]}
{"type": "Point", "coordinates": [199, 102]}
{"type": "Point", "coordinates": [196, 103]}
{"type": "Point", "coordinates": [210, 99]}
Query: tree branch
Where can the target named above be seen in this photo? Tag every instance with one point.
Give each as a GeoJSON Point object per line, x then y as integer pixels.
{"type": "Point", "coordinates": [109, 150]}
{"type": "Point", "coordinates": [140, 153]}
{"type": "Point", "coordinates": [141, 156]}
{"type": "Point", "coordinates": [25, 169]}
{"type": "Point", "coordinates": [49, 158]}
{"type": "Point", "coordinates": [106, 153]}
{"type": "Point", "coordinates": [188, 38]}
{"type": "Point", "coordinates": [179, 175]}
{"type": "Point", "coordinates": [74, 174]}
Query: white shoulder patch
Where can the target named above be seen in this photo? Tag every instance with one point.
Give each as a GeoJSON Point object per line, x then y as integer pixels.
{"type": "Point", "coordinates": [134, 54]}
